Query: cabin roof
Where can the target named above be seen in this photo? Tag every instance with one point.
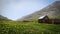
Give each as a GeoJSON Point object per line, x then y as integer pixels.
{"type": "Point", "coordinates": [41, 17]}
{"type": "Point", "coordinates": [50, 17]}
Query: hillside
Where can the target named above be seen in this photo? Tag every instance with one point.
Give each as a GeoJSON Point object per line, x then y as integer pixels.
{"type": "Point", "coordinates": [3, 18]}
{"type": "Point", "coordinates": [53, 11]}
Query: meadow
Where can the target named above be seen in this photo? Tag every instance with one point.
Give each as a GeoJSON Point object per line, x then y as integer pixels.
{"type": "Point", "coordinates": [20, 27]}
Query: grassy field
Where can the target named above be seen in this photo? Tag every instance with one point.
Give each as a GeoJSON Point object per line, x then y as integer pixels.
{"type": "Point", "coordinates": [12, 27]}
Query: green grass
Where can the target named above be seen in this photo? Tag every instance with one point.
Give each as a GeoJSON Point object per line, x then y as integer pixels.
{"type": "Point", "coordinates": [12, 27]}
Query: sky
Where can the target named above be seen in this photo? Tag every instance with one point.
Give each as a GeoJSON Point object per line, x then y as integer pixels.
{"type": "Point", "coordinates": [14, 9]}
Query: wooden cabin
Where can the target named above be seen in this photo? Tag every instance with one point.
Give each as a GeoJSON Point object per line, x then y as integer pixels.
{"type": "Point", "coordinates": [45, 19]}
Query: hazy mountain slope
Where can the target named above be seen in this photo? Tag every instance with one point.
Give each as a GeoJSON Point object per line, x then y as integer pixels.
{"type": "Point", "coordinates": [3, 18]}
{"type": "Point", "coordinates": [52, 10]}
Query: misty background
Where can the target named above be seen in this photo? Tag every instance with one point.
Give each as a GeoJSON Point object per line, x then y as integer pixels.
{"type": "Point", "coordinates": [14, 9]}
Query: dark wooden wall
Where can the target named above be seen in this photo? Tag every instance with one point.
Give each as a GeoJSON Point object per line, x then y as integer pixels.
{"type": "Point", "coordinates": [49, 21]}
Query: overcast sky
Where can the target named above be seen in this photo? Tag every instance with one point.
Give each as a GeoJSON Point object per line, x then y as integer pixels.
{"type": "Point", "coordinates": [14, 9]}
